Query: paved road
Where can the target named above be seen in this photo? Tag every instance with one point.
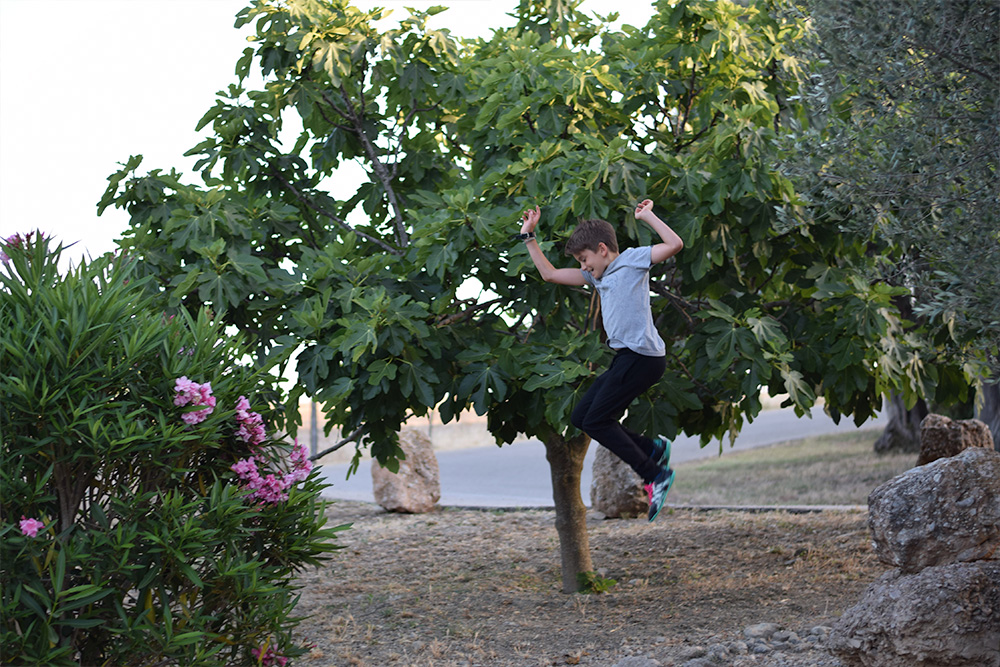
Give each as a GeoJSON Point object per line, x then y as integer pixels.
{"type": "Point", "coordinates": [517, 475]}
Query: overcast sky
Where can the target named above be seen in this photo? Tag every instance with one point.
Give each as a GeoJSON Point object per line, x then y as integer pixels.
{"type": "Point", "coordinates": [84, 84]}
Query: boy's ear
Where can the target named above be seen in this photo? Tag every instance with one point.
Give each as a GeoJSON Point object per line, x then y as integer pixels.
{"type": "Point", "coordinates": [602, 248]}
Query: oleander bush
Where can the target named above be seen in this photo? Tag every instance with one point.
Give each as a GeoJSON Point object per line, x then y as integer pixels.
{"type": "Point", "coordinates": [149, 513]}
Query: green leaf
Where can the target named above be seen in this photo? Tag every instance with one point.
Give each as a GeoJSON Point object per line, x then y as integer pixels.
{"type": "Point", "coordinates": [382, 369]}
{"type": "Point", "coordinates": [359, 337]}
{"type": "Point", "coordinates": [722, 347]}
{"type": "Point", "coordinates": [798, 390]}
{"type": "Point", "coordinates": [488, 110]}
{"type": "Point", "coordinates": [334, 59]}
{"type": "Point", "coordinates": [187, 283]}
{"type": "Point", "coordinates": [249, 266]}
{"type": "Point", "coordinates": [188, 638]}
{"type": "Point", "coordinates": [767, 331]}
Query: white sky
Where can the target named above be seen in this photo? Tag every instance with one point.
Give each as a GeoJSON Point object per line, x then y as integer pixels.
{"type": "Point", "coordinates": [84, 84]}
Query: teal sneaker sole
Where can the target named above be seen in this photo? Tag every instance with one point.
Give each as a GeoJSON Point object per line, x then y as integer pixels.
{"type": "Point", "coordinates": [663, 498]}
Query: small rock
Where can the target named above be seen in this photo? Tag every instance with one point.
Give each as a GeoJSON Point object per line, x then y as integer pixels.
{"type": "Point", "coordinates": [761, 630]}
{"type": "Point", "coordinates": [691, 652]}
{"type": "Point", "coordinates": [700, 662]}
{"type": "Point", "coordinates": [637, 661]}
{"type": "Point", "coordinates": [718, 652]}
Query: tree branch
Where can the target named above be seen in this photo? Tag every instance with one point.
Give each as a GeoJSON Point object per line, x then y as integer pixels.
{"type": "Point", "coordinates": [378, 168]}
{"type": "Point", "coordinates": [679, 304]}
{"type": "Point", "coordinates": [353, 437]}
{"type": "Point", "coordinates": [711, 124]}
{"type": "Point", "coordinates": [517, 325]}
{"type": "Point", "coordinates": [339, 221]}
{"type": "Point", "coordinates": [691, 376]}
{"type": "Point", "coordinates": [399, 142]}
{"type": "Point", "coordinates": [962, 65]}
{"type": "Point", "coordinates": [682, 123]}
{"type": "Point", "coordinates": [466, 314]}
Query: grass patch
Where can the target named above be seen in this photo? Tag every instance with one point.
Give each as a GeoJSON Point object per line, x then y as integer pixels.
{"type": "Point", "coordinates": [823, 470]}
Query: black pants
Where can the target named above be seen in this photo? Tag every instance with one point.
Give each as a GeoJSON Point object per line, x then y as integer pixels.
{"type": "Point", "coordinates": [599, 412]}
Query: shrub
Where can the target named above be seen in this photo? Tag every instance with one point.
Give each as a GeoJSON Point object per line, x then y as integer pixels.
{"type": "Point", "coordinates": [147, 516]}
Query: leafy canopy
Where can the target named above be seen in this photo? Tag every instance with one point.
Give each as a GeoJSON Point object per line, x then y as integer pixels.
{"type": "Point", "coordinates": [906, 151]}
{"type": "Point", "coordinates": [407, 295]}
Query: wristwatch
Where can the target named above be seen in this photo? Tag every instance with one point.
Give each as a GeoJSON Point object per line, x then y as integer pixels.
{"type": "Point", "coordinates": [525, 236]}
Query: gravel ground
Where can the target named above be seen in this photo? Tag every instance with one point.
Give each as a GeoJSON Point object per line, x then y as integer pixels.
{"type": "Point", "coordinates": [695, 588]}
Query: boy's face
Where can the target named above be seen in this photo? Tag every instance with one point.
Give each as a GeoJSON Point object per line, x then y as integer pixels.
{"type": "Point", "coordinates": [594, 262]}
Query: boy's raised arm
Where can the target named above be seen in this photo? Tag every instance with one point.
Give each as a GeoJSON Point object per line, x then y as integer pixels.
{"type": "Point", "coordinates": [671, 245]}
{"type": "Point", "coordinates": [548, 272]}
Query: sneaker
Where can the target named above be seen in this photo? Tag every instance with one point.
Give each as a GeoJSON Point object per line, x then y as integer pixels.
{"type": "Point", "coordinates": [661, 451]}
{"type": "Point", "coordinates": [658, 490]}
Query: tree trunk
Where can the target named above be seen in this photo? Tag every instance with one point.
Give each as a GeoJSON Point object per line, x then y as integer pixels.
{"type": "Point", "coordinates": [902, 433]}
{"type": "Point", "coordinates": [565, 459]}
{"type": "Point", "coordinates": [989, 410]}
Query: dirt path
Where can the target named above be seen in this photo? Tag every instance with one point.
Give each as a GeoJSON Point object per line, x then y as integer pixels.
{"type": "Point", "coordinates": [470, 587]}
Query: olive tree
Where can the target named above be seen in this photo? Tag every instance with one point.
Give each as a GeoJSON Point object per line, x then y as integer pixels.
{"type": "Point", "coordinates": [906, 151]}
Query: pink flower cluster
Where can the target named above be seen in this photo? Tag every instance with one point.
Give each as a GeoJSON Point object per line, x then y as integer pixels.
{"type": "Point", "coordinates": [268, 657]}
{"type": "Point", "coordinates": [251, 424]}
{"type": "Point", "coordinates": [192, 393]}
{"type": "Point", "coordinates": [273, 487]}
{"type": "Point", "coordinates": [19, 242]}
{"type": "Point", "coordinates": [30, 527]}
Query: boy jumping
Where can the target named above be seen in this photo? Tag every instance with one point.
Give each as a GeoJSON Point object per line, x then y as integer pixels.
{"type": "Point", "coordinates": [622, 281]}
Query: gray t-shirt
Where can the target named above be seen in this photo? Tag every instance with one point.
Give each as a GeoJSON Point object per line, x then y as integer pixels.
{"type": "Point", "coordinates": [624, 290]}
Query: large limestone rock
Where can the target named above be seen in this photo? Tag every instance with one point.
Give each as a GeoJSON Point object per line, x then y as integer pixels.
{"type": "Point", "coordinates": [943, 616]}
{"type": "Point", "coordinates": [944, 512]}
{"type": "Point", "coordinates": [616, 490]}
{"type": "Point", "coordinates": [939, 524]}
{"type": "Point", "coordinates": [416, 488]}
{"type": "Point", "coordinates": [941, 437]}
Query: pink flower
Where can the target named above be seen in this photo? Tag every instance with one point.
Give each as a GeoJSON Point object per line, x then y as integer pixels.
{"type": "Point", "coordinates": [245, 468]}
{"type": "Point", "coordinates": [301, 465]}
{"type": "Point", "coordinates": [186, 390]}
{"type": "Point", "coordinates": [251, 424]}
{"type": "Point", "coordinates": [192, 393]}
{"type": "Point", "coordinates": [19, 242]}
{"type": "Point", "coordinates": [30, 527]}
{"type": "Point", "coordinates": [272, 487]}
{"type": "Point", "coordinates": [268, 657]}
{"type": "Point", "coordinates": [266, 489]}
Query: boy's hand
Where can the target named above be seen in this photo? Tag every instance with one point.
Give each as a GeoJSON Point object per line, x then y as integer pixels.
{"type": "Point", "coordinates": [671, 243]}
{"type": "Point", "coordinates": [644, 207]}
{"type": "Point", "coordinates": [530, 219]}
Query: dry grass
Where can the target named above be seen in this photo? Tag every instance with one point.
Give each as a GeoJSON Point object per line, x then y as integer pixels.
{"type": "Point", "coordinates": [466, 587]}
{"type": "Point", "coordinates": [826, 470]}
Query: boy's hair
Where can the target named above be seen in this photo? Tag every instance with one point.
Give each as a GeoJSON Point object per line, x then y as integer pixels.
{"type": "Point", "coordinates": [589, 234]}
